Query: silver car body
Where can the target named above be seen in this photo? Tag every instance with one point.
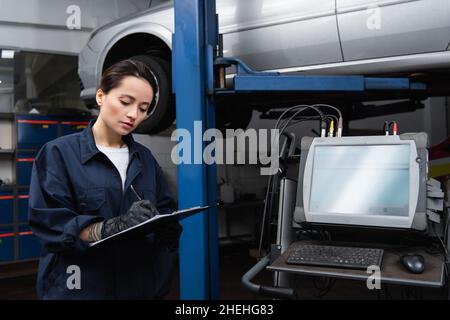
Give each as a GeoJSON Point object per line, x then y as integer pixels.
{"type": "Point", "coordinates": [326, 36]}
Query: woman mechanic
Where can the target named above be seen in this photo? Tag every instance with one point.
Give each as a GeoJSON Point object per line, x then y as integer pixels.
{"type": "Point", "coordinates": [92, 184]}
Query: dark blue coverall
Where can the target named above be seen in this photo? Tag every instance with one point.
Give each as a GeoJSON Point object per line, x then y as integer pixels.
{"type": "Point", "coordinates": [73, 184]}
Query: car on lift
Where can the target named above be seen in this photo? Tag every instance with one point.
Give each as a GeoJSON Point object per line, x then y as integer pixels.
{"type": "Point", "coordinates": [384, 37]}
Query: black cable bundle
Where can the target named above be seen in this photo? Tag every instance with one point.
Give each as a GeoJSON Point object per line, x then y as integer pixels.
{"type": "Point", "coordinates": [282, 124]}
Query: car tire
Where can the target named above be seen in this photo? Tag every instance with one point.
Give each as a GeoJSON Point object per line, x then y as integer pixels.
{"type": "Point", "coordinates": [163, 114]}
{"type": "Point", "coordinates": [228, 117]}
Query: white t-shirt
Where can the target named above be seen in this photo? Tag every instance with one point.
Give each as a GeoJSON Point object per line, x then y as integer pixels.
{"type": "Point", "coordinates": [120, 158]}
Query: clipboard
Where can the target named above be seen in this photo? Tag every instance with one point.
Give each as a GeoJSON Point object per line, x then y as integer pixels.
{"type": "Point", "coordinates": [149, 225]}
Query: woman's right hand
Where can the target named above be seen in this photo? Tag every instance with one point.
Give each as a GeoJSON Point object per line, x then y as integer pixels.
{"type": "Point", "coordinates": [138, 212]}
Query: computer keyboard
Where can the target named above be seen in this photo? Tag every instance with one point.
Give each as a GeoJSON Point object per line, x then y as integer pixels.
{"type": "Point", "coordinates": [335, 256]}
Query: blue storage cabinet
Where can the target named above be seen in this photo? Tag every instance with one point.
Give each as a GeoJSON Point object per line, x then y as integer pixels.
{"type": "Point", "coordinates": [33, 131]}
{"type": "Point", "coordinates": [69, 127]}
{"type": "Point", "coordinates": [6, 244]}
{"type": "Point", "coordinates": [29, 244]}
{"type": "Point", "coordinates": [24, 166]}
{"type": "Point", "coordinates": [6, 207]}
{"type": "Point", "coordinates": [23, 206]}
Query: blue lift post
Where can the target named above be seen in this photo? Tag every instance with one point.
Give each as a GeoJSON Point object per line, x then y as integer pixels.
{"type": "Point", "coordinates": [194, 41]}
{"type": "Point", "coordinates": [194, 57]}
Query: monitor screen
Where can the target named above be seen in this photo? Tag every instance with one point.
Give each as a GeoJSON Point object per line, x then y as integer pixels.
{"type": "Point", "coordinates": [370, 181]}
{"type": "Point", "coordinates": [363, 180]}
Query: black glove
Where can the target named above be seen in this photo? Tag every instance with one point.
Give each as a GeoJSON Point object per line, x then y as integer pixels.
{"type": "Point", "coordinates": [168, 235]}
{"type": "Point", "coordinates": [138, 212]}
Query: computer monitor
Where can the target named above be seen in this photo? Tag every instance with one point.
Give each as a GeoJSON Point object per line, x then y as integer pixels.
{"type": "Point", "coordinates": [370, 181]}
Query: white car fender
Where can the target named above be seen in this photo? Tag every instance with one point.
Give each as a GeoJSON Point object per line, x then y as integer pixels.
{"type": "Point", "coordinates": [154, 29]}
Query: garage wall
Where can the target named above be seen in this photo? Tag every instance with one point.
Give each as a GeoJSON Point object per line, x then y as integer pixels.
{"type": "Point", "coordinates": [436, 119]}
{"type": "Point", "coordinates": [432, 119]}
{"type": "Point", "coordinates": [161, 147]}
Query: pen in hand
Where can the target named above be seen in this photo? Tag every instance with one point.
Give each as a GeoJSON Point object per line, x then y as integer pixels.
{"type": "Point", "coordinates": [155, 211]}
{"type": "Point", "coordinates": [135, 192]}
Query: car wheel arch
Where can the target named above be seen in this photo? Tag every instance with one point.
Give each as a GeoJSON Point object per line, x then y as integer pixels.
{"type": "Point", "coordinates": [158, 32]}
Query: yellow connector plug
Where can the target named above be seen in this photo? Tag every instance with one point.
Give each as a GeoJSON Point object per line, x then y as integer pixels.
{"type": "Point", "coordinates": [331, 130]}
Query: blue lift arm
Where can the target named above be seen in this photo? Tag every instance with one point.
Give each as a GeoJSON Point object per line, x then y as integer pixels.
{"type": "Point", "coordinates": [248, 80]}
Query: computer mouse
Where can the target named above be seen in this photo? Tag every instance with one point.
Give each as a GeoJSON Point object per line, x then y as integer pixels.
{"type": "Point", "coordinates": [414, 263]}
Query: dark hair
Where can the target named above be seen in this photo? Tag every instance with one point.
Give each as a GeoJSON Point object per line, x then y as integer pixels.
{"type": "Point", "coordinates": [113, 75]}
